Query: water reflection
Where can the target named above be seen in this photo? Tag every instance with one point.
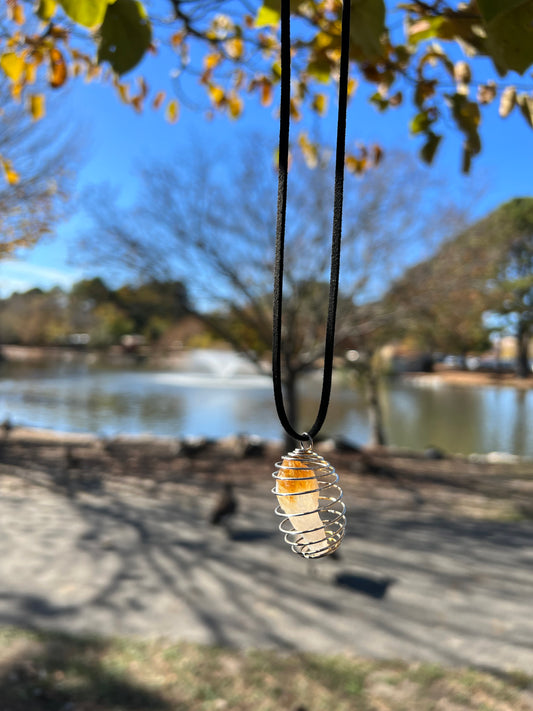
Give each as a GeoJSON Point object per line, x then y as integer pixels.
{"type": "Point", "coordinates": [460, 419]}
{"type": "Point", "coordinates": [518, 430]}
{"type": "Point", "coordinates": [78, 398]}
{"type": "Point", "coordinates": [450, 418]}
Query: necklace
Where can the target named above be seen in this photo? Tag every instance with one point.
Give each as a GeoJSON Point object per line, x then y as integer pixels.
{"type": "Point", "coordinates": [309, 497]}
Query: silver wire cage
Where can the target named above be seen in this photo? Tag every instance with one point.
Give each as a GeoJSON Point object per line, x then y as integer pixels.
{"type": "Point", "coordinates": [310, 502]}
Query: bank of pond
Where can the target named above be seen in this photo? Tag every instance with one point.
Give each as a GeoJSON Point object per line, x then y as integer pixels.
{"type": "Point", "coordinates": [419, 413]}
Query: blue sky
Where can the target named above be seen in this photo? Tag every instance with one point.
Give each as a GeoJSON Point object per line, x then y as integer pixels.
{"type": "Point", "coordinates": [117, 140]}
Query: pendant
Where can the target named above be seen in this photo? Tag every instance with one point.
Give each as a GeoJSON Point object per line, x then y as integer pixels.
{"type": "Point", "coordinates": [310, 500]}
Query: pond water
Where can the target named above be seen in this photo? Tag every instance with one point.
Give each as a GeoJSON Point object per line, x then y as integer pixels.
{"type": "Point", "coordinates": [215, 397]}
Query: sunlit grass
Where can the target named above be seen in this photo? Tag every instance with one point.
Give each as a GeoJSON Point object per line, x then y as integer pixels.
{"type": "Point", "coordinates": [49, 671]}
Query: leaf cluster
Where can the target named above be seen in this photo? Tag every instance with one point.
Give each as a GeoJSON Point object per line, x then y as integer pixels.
{"type": "Point", "coordinates": [431, 63]}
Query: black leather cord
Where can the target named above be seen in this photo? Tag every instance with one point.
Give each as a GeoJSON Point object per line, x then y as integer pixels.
{"type": "Point", "coordinates": [285, 111]}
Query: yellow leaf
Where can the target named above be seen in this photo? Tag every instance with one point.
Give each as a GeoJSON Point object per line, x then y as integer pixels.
{"type": "Point", "coordinates": [267, 16]}
{"type": "Point", "coordinates": [143, 86]}
{"type": "Point", "coordinates": [158, 100]}
{"type": "Point", "coordinates": [356, 165]}
{"type": "Point", "coordinates": [11, 176]}
{"type": "Point", "coordinates": [377, 154]}
{"type": "Point", "coordinates": [17, 14]}
{"type": "Point", "coordinates": [216, 94]}
{"type": "Point", "coordinates": [57, 74]}
{"type": "Point", "coordinates": [211, 60]}
{"type": "Point", "coordinates": [16, 93]}
{"type": "Point", "coordinates": [123, 92]}
{"type": "Point", "coordinates": [320, 68]}
{"type": "Point", "coordinates": [172, 111]}
{"type": "Point", "coordinates": [46, 9]}
{"type": "Point", "coordinates": [238, 78]}
{"type": "Point", "coordinates": [525, 103]}
{"type": "Point", "coordinates": [320, 104]}
{"type": "Point", "coordinates": [266, 93]}
{"type": "Point", "coordinates": [323, 40]}
{"type": "Point", "coordinates": [276, 70]}
{"type": "Point", "coordinates": [93, 72]}
{"type": "Point", "coordinates": [137, 103]}
{"type": "Point", "coordinates": [352, 86]}
{"type": "Point", "coordinates": [295, 110]}
{"type": "Point", "coordinates": [507, 101]}
{"type": "Point", "coordinates": [234, 47]}
{"type": "Point", "coordinates": [462, 72]}
{"type": "Point", "coordinates": [309, 150]}
{"type": "Point", "coordinates": [58, 33]}
{"type": "Point", "coordinates": [30, 73]}
{"type": "Point", "coordinates": [221, 27]}
{"type": "Point", "coordinates": [12, 65]}
{"type": "Point", "coordinates": [234, 106]}
{"type": "Point", "coordinates": [486, 93]}
{"type": "Point", "coordinates": [176, 39]}
{"type": "Point", "coordinates": [36, 106]}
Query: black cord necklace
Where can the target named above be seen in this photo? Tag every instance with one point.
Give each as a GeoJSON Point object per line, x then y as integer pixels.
{"type": "Point", "coordinates": [281, 221]}
{"type": "Point", "coordinates": [309, 497]}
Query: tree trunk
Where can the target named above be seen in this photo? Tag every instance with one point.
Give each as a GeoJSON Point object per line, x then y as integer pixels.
{"type": "Point", "coordinates": [522, 357]}
{"type": "Point", "coordinates": [375, 414]}
{"type": "Point", "coordinates": [427, 362]}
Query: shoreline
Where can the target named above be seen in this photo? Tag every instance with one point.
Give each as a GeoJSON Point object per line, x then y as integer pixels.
{"type": "Point", "coordinates": [238, 447]}
{"type": "Point", "coordinates": [469, 378]}
{"type": "Point", "coordinates": [116, 357]}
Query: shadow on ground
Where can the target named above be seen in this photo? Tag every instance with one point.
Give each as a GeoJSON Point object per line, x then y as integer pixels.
{"type": "Point", "coordinates": [133, 556]}
{"type": "Point", "coordinates": [57, 673]}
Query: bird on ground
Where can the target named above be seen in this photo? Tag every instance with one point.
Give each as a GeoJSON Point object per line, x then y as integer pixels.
{"type": "Point", "coordinates": [6, 426]}
{"type": "Point", "coordinates": [225, 507]}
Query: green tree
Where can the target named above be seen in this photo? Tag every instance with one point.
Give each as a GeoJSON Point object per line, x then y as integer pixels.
{"type": "Point", "coordinates": [106, 314]}
{"type": "Point", "coordinates": [92, 291]}
{"type": "Point", "coordinates": [153, 306]}
{"type": "Point", "coordinates": [503, 243]}
{"type": "Point", "coordinates": [84, 298]}
{"type": "Point", "coordinates": [514, 276]}
{"type": "Point", "coordinates": [109, 324]}
{"type": "Point", "coordinates": [439, 303]}
{"type": "Point", "coordinates": [34, 318]}
{"type": "Point", "coordinates": [485, 270]}
{"type": "Point", "coordinates": [424, 52]}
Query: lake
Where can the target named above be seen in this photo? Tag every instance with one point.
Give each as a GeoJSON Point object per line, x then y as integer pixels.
{"type": "Point", "coordinates": [215, 397]}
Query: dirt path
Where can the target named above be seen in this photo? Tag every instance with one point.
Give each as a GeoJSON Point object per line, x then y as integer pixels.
{"type": "Point", "coordinates": [437, 564]}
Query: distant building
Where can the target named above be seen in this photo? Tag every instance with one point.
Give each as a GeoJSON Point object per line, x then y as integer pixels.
{"type": "Point", "coordinates": [78, 339]}
{"type": "Point", "coordinates": [131, 342]}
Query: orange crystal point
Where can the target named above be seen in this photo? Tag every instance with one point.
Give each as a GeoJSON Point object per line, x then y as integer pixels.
{"type": "Point", "coordinates": [298, 496]}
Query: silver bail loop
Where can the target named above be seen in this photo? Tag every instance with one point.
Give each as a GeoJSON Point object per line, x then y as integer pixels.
{"type": "Point", "coordinates": [307, 443]}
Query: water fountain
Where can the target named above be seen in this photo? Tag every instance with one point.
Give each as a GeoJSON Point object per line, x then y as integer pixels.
{"type": "Point", "coordinates": [215, 369]}
{"type": "Point", "coordinates": [218, 362]}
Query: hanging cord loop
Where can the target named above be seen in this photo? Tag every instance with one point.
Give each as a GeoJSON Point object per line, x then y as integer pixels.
{"type": "Point", "coordinates": [285, 110]}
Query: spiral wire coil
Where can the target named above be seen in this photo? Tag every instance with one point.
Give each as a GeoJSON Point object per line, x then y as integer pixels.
{"type": "Point", "coordinates": [310, 500]}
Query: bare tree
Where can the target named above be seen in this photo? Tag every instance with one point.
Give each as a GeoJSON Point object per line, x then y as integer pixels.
{"type": "Point", "coordinates": [37, 176]}
{"type": "Point", "coordinates": [211, 225]}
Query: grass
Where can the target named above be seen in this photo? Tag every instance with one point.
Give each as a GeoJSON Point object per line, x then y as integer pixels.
{"type": "Point", "coordinates": [43, 671]}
